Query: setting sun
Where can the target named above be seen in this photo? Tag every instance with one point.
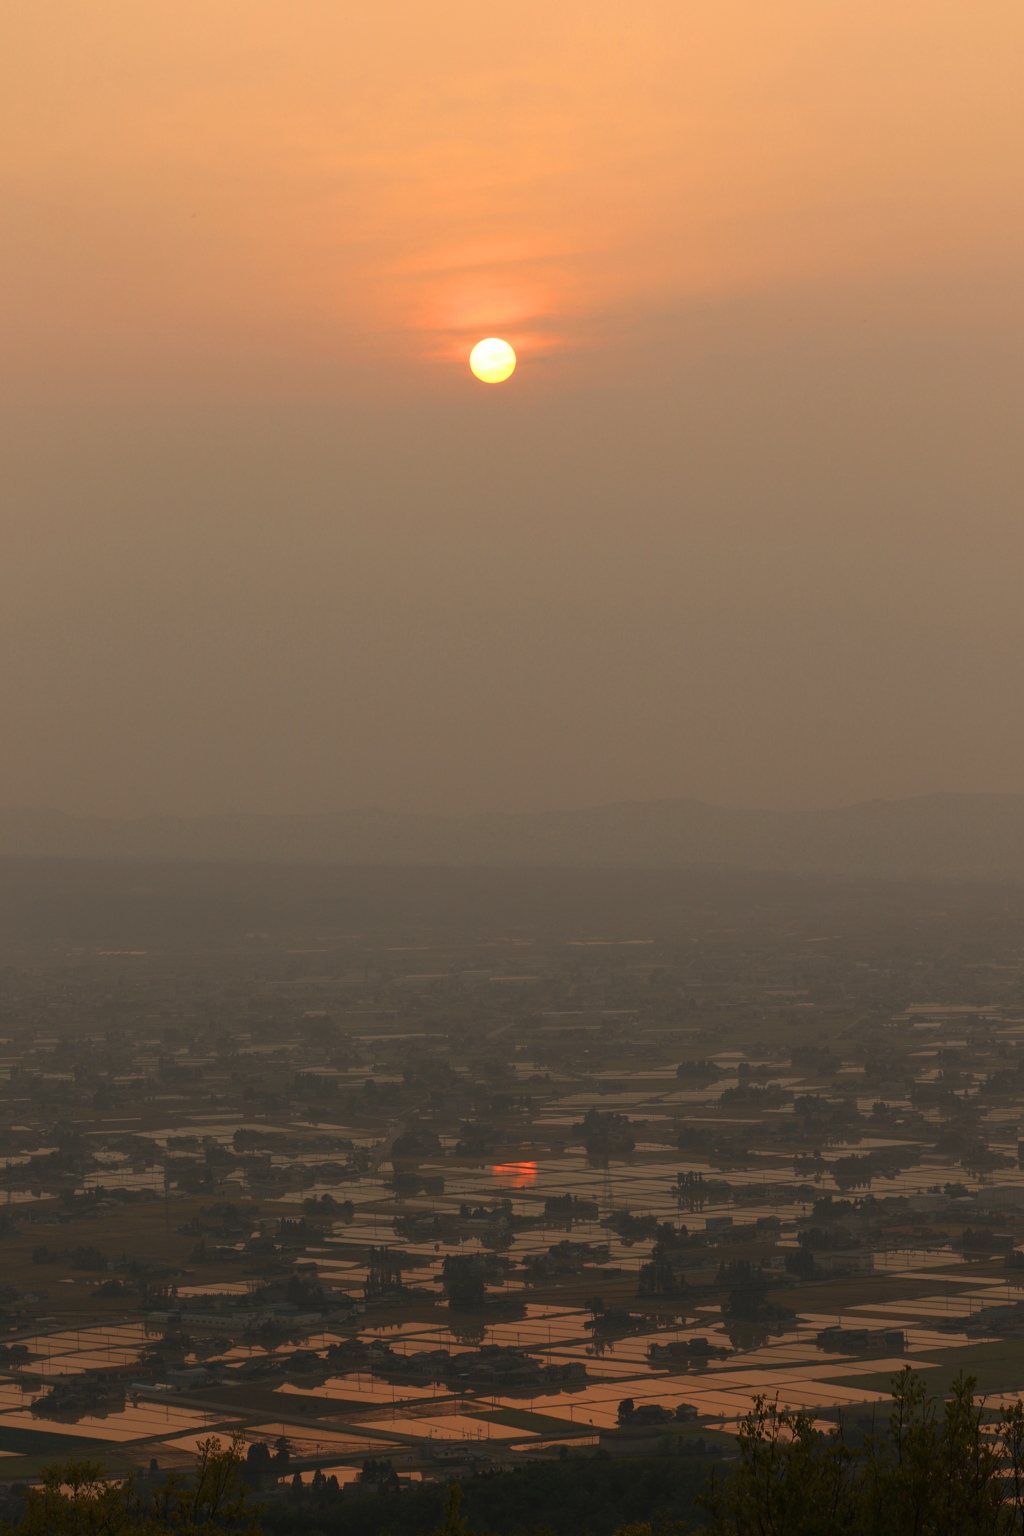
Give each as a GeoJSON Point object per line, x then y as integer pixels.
{"type": "Point", "coordinates": [492, 360]}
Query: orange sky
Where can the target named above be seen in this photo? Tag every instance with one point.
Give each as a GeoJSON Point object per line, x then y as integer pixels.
{"type": "Point", "coordinates": [240, 193]}
{"type": "Point", "coordinates": [745, 523]}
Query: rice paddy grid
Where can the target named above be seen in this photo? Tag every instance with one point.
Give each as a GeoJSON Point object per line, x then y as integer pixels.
{"type": "Point", "coordinates": [406, 1348]}
{"type": "Point", "coordinates": [90, 1428]}
{"type": "Point", "coordinates": [297, 1434]}
{"type": "Point", "coordinates": [312, 1340]}
{"type": "Point", "coordinates": [141, 1413]}
{"type": "Point", "coordinates": [86, 1360]}
{"type": "Point", "coordinates": [917, 1337]}
{"type": "Point", "coordinates": [588, 1409]}
{"type": "Point", "coordinates": [683, 1334]}
{"type": "Point", "coordinates": [216, 1288]}
{"type": "Point", "coordinates": [712, 1399]}
{"type": "Point", "coordinates": [535, 1309]}
{"type": "Point", "coordinates": [552, 1175]}
{"type": "Point", "coordinates": [147, 1420]}
{"type": "Point", "coordinates": [772, 1357]}
{"type": "Point", "coordinates": [575, 1442]}
{"type": "Point", "coordinates": [945, 1301]}
{"type": "Point", "coordinates": [601, 1355]}
{"type": "Point", "coordinates": [366, 1389]}
{"type": "Point", "coordinates": [901, 1261]}
{"type": "Point", "coordinates": [808, 1386]}
{"type": "Point", "coordinates": [356, 1446]}
{"type": "Point", "coordinates": [152, 1418]}
{"type": "Point", "coordinates": [952, 1307]}
{"type": "Point", "coordinates": [611, 1369]}
{"type": "Point", "coordinates": [547, 1318]}
{"type": "Point", "coordinates": [389, 1332]}
{"type": "Point", "coordinates": [1011, 1175]}
{"type": "Point", "coordinates": [961, 1279]}
{"type": "Point", "coordinates": [450, 1427]}
{"type": "Point", "coordinates": [998, 1292]}
{"type": "Point", "coordinates": [70, 1340]}
{"type": "Point", "coordinates": [538, 1332]}
{"type": "Point", "coordinates": [623, 1350]}
{"type": "Point", "coordinates": [45, 1427]}
{"type": "Point", "coordinates": [748, 1380]}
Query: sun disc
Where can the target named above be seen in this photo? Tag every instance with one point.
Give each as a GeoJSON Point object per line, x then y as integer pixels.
{"type": "Point", "coordinates": [492, 360]}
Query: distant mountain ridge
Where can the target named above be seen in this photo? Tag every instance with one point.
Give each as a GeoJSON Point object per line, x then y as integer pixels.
{"type": "Point", "coordinates": [959, 836]}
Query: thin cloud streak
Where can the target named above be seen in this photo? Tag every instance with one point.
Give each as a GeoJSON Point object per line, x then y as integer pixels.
{"type": "Point", "coordinates": [202, 187]}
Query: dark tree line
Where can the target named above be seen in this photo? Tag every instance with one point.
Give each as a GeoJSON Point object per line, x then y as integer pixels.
{"type": "Point", "coordinates": [936, 1470]}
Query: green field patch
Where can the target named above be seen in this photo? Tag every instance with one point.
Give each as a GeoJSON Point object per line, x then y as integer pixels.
{"type": "Point", "coordinates": [26, 1469]}
{"type": "Point", "coordinates": [654, 1434]}
{"type": "Point", "coordinates": [530, 1423]}
{"type": "Point", "coordinates": [997, 1364]}
{"type": "Point", "coordinates": [39, 1442]}
{"type": "Point", "coordinates": [699, 1431]}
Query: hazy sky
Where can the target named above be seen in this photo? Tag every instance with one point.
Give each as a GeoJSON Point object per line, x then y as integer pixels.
{"type": "Point", "coordinates": [747, 523]}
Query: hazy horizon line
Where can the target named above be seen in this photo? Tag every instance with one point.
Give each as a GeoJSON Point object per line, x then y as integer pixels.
{"type": "Point", "coordinates": [468, 815]}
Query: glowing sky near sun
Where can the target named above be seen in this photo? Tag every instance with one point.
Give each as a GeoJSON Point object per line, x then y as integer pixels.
{"type": "Point", "coordinates": [743, 525]}
{"type": "Point", "coordinates": [201, 190]}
